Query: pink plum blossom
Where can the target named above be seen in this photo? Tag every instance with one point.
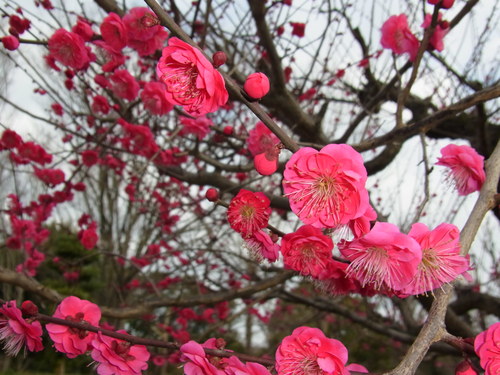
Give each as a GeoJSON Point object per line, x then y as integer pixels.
{"type": "Point", "coordinates": [308, 351]}
{"type": "Point", "coordinates": [261, 246]}
{"type": "Point", "coordinates": [442, 28]}
{"type": "Point", "coordinates": [154, 98]}
{"type": "Point", "coordinates": [69, 49]}
{"type": "Point", "coordinates": [261, 139]}
{"type": "Point", "coordinates": [191, 80]}
{"type": "Point", "coordinates": [118, 357]}
{"type": "Point", "coordinates": [256, 85]}
{"type": "Point", "coordinates": [466, 167]}
{"type": "Point", "coordinates": [233, 366]}
{"type": "Point", "coordinates": [307, 251]}
{"type": "Point", "coordinates": [196, 361]}
{"type": "Point", "coordinates": [248, 212]}
{"type": "Point", "coordinates": [487, 347]}
{"type": "Point", "coordinates": [73, 341]}
{"type": "Point", "coordinates": [384, 257]}
{"type": "Point", "coordinates": [441, 260]}
{"type": "Point", "coordinates": [17, 332]}
{"type": "Point", "coordinates": [326, 188]}
{"type": "Point", "coordinates": [199, 126]}
{"type": "Point", "coordinates": [397, 36]}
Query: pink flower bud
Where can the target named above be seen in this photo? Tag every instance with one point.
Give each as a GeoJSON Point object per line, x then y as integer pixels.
{"type": "Point", "coordinates": [256, 85]}
{"type": "Point", "coordinates": [28, 309]}
{"type": "Point", "coordinates": [212, 195]}
{"type": "Point", "coordinates": [10, 42]}
{"type": "Point", "coordinates": [219, 58]}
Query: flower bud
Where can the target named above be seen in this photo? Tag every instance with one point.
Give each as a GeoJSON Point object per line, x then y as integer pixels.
{"type": "Point", "coordinates": [10, 42]}
{"type": "Point", "coordinates": [219, 58]}
{"type": "Point", "coordinates": [212, 195]}
{"type": "Point", "coordinates": [256, 85]}
{"type": "Point", "coordinates": [29, 309]}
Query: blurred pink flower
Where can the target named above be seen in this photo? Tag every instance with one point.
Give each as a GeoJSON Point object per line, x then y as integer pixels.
{"type": "Point", "coordinates": [441, 260]}
{"type": "Point", "coordinates": [118, 357]}
{"type": "Point", "coordinates": [487, 347]}
{"type": "Point", "coordinates": [73, 341]}
{"type": "Point", "coordinates": [442, 28]}
{"type": "Point", "coordinates": [248, 212]}
{"type": "Point", "coordinates": [384, 257]}
{"type": "Point", "coordinates": [145, 34]}
{"type": "Point", "coordinates": [154, 98]}
{"type": "Point", "coordinates": [466, 167]}
{"type": "Point", "coordinates": [124, 85]}
{"type": "Point", "coordinates": [326, 188]}
{"type": "Point", "coordinates": [69, 49]}
{"type": "Point", "coordinates": [17, 332]}
{"type": "Point", "coordinates": [113, 31]}
{"type": "Point", "coordinates": [307, 251]}
{"type": "Point", "coordinates": [261, 139]}
{"type": "Point", "coordinates": [308, 351]}
{"type": "Point", "coordinates": [199, 126]}
{"type": "Point", "coordinates": [191, 80]}
{"type": "Point", "coordinates": [397, 36]}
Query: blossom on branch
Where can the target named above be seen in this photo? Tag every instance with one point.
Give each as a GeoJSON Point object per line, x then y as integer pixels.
{"type": "Point", "coordinates": [441, 260]}
{"type": "Point", "coordinates": [397, 36]}
{"type": "Point", "coordinates": [191, 80]}
{"type": "Point", "coordinates": [307, 251]}
{"type": "Point", "coordinates": [256, 85]}
{"type": "Point", "coordinates": [442, 28]}
{"type": "Point", "coordinates": [384, 257]}
{"type": "Point", "coordinates": [154, 99]}
{"type": "Point", "coordinates": [466, 167]}
{"type": "Point", "coordinates": [17, 332]}
{"type": "Point", "coordinates": [248, 212]}
{"type": "Point", "coordinates": [118, 357]}
{"type": "Point", "coordinates": [69, 49]}
{"type": "Point", "coordinates": [308, 351]}
{"type": "Point", "coordinates": [74, 341]}
{"type": "Point", "coordinates": [487, 347]}
{"type": "Point", "coordinates": [326, 188]}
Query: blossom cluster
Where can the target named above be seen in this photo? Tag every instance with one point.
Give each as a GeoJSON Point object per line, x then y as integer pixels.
{"type": "Point", "coordinates": [326, 190]}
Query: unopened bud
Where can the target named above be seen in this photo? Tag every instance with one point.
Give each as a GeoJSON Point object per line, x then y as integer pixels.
{"type": "Point", "coordinates": [219, 58]}
{"type": "Point", "coordinates": [212, 195]}
{"type": "Point", "coordinates": [29, 309]}
{"type": "Point", "coordinates": [444, 24]}
{"type": "Point", "coordinates": [228, 130]}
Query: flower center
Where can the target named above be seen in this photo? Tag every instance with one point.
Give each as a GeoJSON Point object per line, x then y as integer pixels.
{"type": "Point", "coordinates": [310, 367]}
{"type": "Point", "coordinates": [78, 318]}
{"type": "Point", "coordinates": [181, 82]}
{"type": "Point", "coordinates": [371, 266]}
{"type": "Point", "coordinates": [122, 349]}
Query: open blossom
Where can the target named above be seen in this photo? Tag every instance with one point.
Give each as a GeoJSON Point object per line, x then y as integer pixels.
{"type": "Point", "coordinates": [69, 49]}
{"type": "Point", "coordinates": [191, 80]}
{"type": "Point", "coordinates": [441, 260]}
{"type": "Point", "coordinates": [261, 139]}
{"type": "Point", "coordinates": [442, 28]}
{"type": "Point", "coordinates": [248, 212]}
{"type": "Point", "coordinates": [307, 251]}
{"type": "Point", "coordinates": [308, 351]}
{"type": "Point", "coordinates": [487, 347]}
{"type": "Point", "coordinates": [154, 98]}
{"type": "Point", "coordinates": [326, 188]}
{"type": "Point", "coordinates": [466, 167]}
{"type": "Point", "coordinates": [145, 34]}
{"type": "Point", "coordinates": [397, 36]}
{"type": "Point", "coordinates": [118, 357]}
{"type": "Point", "coordinates": [199, 126]}
{"type": "Point", "coordinates": [384, 257]}
{"type": "Point", "coordinates": [233, 366]}
{"type": "Point", "coordinates": [113, 31]}
{"type": "Point", "coordinates": [73, 341]}
{"type": "Point", "coordinates": [196, 361]}
{"type": "Point", "coordinates": [124, 85]}
{"type": "Point", "coordinates": [17, 332]}
{"type": "Point", "coordinates": [261, 246]}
